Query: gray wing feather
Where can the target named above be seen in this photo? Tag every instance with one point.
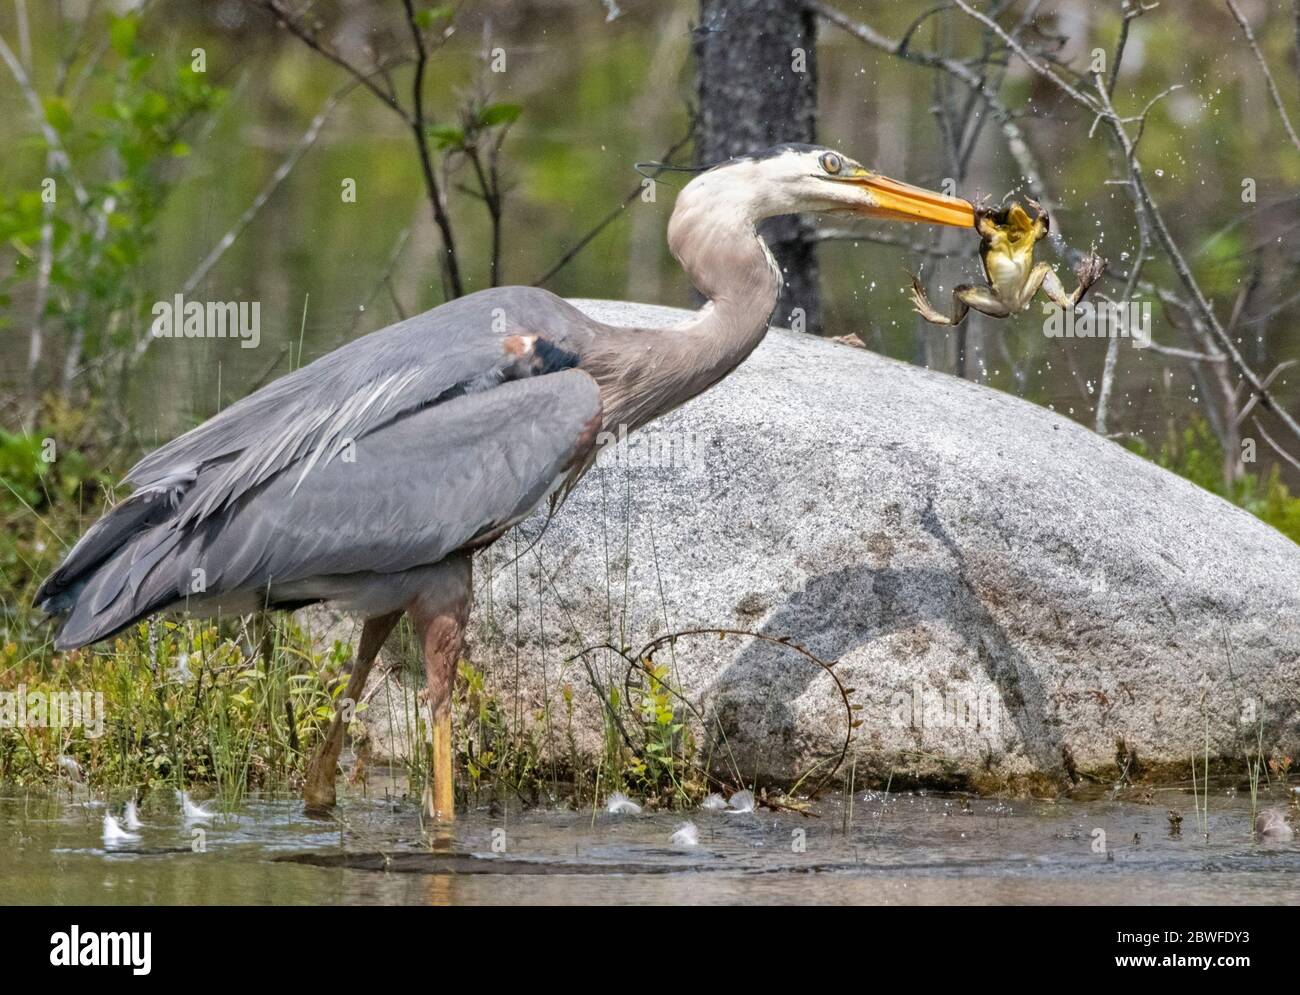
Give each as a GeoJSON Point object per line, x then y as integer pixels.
{"type": "Point", "coordinates": [422, 486]}
{"type": "Point", "coordinates": [310, 415]}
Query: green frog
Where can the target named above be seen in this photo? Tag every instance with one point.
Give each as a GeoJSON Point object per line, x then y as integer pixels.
{"type": "Point", "coordinates": [1007, 240]}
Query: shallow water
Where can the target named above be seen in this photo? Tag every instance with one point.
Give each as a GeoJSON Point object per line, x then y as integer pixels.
{"type": "Point", "coordinates": [900, 849]}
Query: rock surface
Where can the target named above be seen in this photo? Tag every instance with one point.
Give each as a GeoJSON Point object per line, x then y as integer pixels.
{"type": "Point", "coordinates": [1012, 599]}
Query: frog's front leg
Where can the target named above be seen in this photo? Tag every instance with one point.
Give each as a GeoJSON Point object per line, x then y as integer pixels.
{"type": "Point", "coordinates": [1089, 272]}
{"type": "Point", "coordinates": [964, 297]}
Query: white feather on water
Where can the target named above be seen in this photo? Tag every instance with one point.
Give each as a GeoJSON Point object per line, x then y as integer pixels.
{"type": "Point", "coordinates": [620, 804]}
{"type": "Point", "coordinates": [687, 834]}
{"type": "Point", "coordinates": [114, 833]}
{"type": "Point", "coordinates": [1272, 825]}
{"type": "Point", "coordinates": [131, 816]}
{"type": "Point", "coordinates": [713, 802]}
{"type": "Point", "coordinates": [193, 812]}
{"type": "Point", "coordinates": [741, 801]}
{"type": "Point", "coordinates": [70, 767]}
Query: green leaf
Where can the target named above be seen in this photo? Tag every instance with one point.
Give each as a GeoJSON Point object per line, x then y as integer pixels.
{"type": "Point", "coordinates": [123, 33]}
{"type": "Point", "coordinates": [447, 136]}
{"type": "Point", "coordinates": [58, 113]}
{"type": "Point", "coordinates": [426, 18]}
{"type": "Point", "coordinates": [498, 114]}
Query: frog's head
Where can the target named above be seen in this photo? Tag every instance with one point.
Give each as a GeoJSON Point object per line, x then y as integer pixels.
{"type": "Point", "coordinates": [1010, 231]}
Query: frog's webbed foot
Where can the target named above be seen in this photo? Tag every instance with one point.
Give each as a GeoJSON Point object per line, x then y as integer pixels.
{"type": "Point", "coordinates": [1088, 271]}
{"type": "Point", "coordinates": [921, 304]}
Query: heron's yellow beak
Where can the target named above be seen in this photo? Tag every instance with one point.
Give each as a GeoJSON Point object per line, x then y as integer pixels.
{"type": "Point", "coordinates": [895, 201]}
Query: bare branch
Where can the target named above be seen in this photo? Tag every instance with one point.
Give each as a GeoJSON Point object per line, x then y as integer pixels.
{"type": "Point", "coordinates": [451, 265]}
{"type": "Point", "coordinates": [1188, 354]}
{"type": "Point", "coordinates": [1268, 76]}
{"type": "Point", "coordinates": [609, 218]}
{"type": "Point", "coordinates": [1268, 380]}
{"type": "Point", "coordinates": [1029, 60]}
{"type": "Point", "coordinates": [307, 140]}
{"type": "Point", "coordinates": [282, 15]}
{"type": "Point", "coordinates": [52, 141]}
{"type": "Point", "coordinates": [879, 238]}
{"type": "Point", "coordinates": [72, 361]}
{"type": "Point", "coordinates": [1276, 448]}
{"type": "Point", "coordinates": [44, 269]}
{"type": "Point", "coordinates": [24, 33]}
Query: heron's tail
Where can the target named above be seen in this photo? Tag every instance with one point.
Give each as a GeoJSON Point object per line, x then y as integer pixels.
{"type": "Point", "coordinates": [107, 581]}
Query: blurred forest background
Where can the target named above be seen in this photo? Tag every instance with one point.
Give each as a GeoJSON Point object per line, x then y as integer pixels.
{"type": "Point", "coordinates": [210, 149]}
{"type": "Point", "coordinates": [165, 161]}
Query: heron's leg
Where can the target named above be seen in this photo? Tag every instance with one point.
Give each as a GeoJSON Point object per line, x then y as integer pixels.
{"type": "Point", "coordinates": [318, 789]}
{"type": "Point", "coordinates": [441, 614]}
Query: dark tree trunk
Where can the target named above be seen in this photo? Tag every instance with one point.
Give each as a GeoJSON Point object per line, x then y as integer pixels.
{"type": "Point", "coordinates": [758, 87]}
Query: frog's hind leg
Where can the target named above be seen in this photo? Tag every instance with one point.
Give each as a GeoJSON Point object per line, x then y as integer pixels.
{"type": "Point", "coordinates": [1089, 271]}
{"type": "Point", "coordinates": [982, 299]}
{"type": "Point", "coordinates": [923, 307]}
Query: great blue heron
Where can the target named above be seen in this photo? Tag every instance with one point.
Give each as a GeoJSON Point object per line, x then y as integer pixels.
{"type": "Point", "coordinates": [368, 478]}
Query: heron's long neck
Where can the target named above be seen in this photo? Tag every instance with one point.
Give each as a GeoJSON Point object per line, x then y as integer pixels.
{"type": "Point", "coordinates": [729, 264]}
{"type": "Point", "coordinates": [644, 374]}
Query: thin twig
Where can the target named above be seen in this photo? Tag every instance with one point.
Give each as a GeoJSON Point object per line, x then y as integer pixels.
{"type": "Point", "coordinates": [1111, 363]}
{"type": "Point", "coordinates": [451, 265]}
{"type": "Point", "coordinates": [611, 217]}
{"type": "Point", "coordinates": [282, 15]}
{"type": "Point", "coordinates": [44, 269]}
{"type": "Point", "coordinates": [307, 140]}
{"type": "Point", "coordinates": [879, 238]}
{"type": "Point", "coordinates": [1029, 60]}
{"type": "Point", "coordinates": [1268, 380]}
{"type": "Point", "coordinates": [1276, 448]}
{"type": "Point", "coordinates": [1268, 76]}
{"type": "Point", "coordinates": [52, 140]}
{"type": "Point", "coordinates": [72, 361]}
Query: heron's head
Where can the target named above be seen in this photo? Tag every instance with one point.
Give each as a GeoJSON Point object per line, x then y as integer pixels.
{"type": "Point", "coordinates": [794, 179]}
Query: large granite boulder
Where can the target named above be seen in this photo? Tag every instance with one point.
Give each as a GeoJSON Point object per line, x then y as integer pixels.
{"type": "Point", "coordinates": [1012, 599]}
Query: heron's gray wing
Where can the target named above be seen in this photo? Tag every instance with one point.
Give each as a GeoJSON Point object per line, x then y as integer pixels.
{"type": "Point", "coordinates": [404, 495]}
{"type": "Point", "coordinates": [415, 490]}
{"type": "Point", "coordinates": [309, 416]}
{"type": "Point", "coordinates": [305, 418]}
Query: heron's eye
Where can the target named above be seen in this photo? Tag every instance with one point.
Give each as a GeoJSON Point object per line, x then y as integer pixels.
{"type": "Point", "coordinates": [831, 163]}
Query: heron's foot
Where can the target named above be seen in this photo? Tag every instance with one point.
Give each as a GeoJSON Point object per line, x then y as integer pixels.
{"type": "Point", "coordinates": [318, 790]}
{"type": "Point", "coordinates": [440, 800]}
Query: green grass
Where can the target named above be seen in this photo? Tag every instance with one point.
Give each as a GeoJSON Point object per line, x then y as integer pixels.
{"type": "Point", "coordinates": [238, 705]}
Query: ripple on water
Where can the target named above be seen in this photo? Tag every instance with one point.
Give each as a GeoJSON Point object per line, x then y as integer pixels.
{"type": "Point", "coordinates": [900, 848]}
